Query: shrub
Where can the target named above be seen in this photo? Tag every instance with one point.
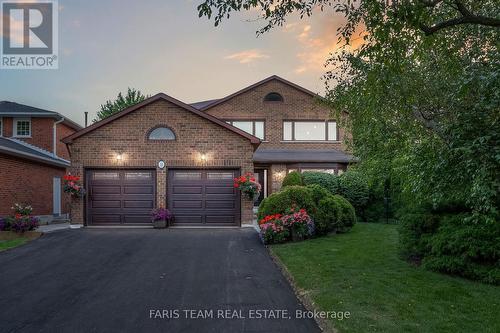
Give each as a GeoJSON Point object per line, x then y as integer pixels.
{"type": "Point", "coordinates": [452, 242]}
{"type": "Point", "coordinates": [326, 216]}
{"type": "Point", "coordinates": [291, 197]}
{"type": "Point", "coordinates": [3, 224]}
{"type": "Point", "coordinates": [326, 180]}
{"type": "Point", "coordinates": [346, 217]}
{"type": "Point", "coordinates": [291, 179]}
{"type": "Point", "coordinates": [318, 193]}
{"type": "Point", "coordinates": [354, 187]}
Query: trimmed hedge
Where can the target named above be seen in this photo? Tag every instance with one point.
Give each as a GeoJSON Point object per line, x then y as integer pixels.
{"type": "Point", "coordinates": [326, 180]}
{"type": "Point", "coordinates": [347, 215]}
{"type": "Point", "coordinates": [353, 186]}
{"type": "Point", "coordinates": [291, 196]}
{"type": "Point", "coordinates": [291, 179]}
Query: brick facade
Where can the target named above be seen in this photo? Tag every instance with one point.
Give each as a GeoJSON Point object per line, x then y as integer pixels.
{"type": "Point", "coordinates": [28, 182]}
{"type": "Point", "coordinates": [128, 135]}
{"type": "Point", "coordinates": [297, 105]}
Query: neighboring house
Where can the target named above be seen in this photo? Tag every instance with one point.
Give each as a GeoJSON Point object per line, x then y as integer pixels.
{"type": "Point", "coordinates": [165, 153]}
{"type": "Point", "coordinates": [33, 159]}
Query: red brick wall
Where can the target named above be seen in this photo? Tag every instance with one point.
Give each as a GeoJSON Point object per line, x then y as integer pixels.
{"type": "Point", "coordinates": [128, 135]}
{"type": "Point", "coordinates": [7, 127]}
{"type": "Point", "coordinates": [62, 132]}
{"type": "Point", "coordinates": [41, 133]}
{"type": "Point", "coordinates": [24, 181]}
{"type": "Point", "coordinates": [297, 105]}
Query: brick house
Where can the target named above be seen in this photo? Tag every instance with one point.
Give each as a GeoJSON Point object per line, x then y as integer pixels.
{"type": "Point", "coordinates": [33, 159]}
{"type": "Point", "coordinates": [165, 153]}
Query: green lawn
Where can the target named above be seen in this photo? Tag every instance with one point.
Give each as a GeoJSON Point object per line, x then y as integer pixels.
{"type": "Point", "coordinates": [10, 239]}
{"type": "Point", "coordinates": [7, 244]}
{"type": "Point", "coordinates": [360, 272]}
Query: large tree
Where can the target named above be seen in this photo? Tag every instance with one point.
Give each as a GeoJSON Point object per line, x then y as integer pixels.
{"type": "Point", "coordinates": [422, 92]}
{"type": "Point", "coordinates": [121, 102]}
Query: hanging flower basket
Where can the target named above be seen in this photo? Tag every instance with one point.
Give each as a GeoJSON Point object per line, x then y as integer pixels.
{"type": "Point", "coordinates": [73, 186]}
{"type": "Point", "coordinates": [248, 186]}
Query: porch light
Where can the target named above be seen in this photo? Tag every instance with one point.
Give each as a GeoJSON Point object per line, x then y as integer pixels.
{"type": "Point", "coordinates": [203, 157]}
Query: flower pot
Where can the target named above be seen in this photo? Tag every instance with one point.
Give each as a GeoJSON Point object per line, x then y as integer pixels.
{"type": "Point", "coordinates": [160, 224]}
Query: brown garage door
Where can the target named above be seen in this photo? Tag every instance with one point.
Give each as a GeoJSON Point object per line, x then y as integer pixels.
{"type": "Point", "coordinates": [120, 197]}
{"type": "Point", "coordinates": [204, 197]}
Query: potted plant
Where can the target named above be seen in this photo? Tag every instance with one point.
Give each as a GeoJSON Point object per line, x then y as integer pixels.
{"type": "Point", "coordinates": [160, 217]}
{"type": "Point", "coordinates": [248, 186]}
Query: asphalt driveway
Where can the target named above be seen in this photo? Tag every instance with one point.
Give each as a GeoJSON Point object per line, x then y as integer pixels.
{"type": "Point", "coordinates": [145, 280]}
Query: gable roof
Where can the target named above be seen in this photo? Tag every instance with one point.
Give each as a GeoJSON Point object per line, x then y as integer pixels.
{"type": "Point", "coordinates": [266, 80]}
{"type": "Point", "coordinates": [203, 104]}
{"type": "Point", "coordinates": [19, 148]}
{"type": "Point", "coordinates": [152, 99]}
{"type": "Point", "coordinates": [12, 109]}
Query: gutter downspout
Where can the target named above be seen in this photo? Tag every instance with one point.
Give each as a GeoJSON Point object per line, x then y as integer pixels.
{"type": "Point", "coordinates": [54, 135]}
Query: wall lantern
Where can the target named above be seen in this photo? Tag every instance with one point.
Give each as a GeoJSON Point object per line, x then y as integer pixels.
{"type": "Point", "coordinates": [203, 157]}
{"type": "Point", "coordinates": [119, 156]}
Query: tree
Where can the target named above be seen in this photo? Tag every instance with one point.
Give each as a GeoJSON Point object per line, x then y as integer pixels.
{"type": "Point", "coordinates": [132, 97]}
{"type": "Point", "coordinates": [422, 92]}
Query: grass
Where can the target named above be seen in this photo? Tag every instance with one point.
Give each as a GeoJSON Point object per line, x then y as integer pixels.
{"type": "Point", "coordinates": [361, 272]}
{"type": "Point", "coordinates": [10, 240]}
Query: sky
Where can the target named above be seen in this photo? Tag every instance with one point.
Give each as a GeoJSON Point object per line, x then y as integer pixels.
{"type": "Point", "coordinates": [163, 46]}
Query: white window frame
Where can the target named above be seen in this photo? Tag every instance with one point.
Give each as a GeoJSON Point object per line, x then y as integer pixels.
{"type": "Point", "coordinates": [253, 121]}
{"type": "Point", "coordinates": [14, 129]}
{"type": "Point", "coordinates": [292, 123]}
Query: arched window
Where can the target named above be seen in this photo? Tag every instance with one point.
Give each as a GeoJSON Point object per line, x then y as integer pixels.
{"type": "Point", "coordinates": [161, 133]}
{"type": "Point", "coordinates": [273, 97]}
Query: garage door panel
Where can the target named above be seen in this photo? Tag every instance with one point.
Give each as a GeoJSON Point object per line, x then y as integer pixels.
{"type": "Point", "coordinates": [106, 189]}
{"type": "Point", "coordinates": [187, 204]}
{"type": "Point", "coordinates": [220, 190]}
{"type": "Point", "coordinates": [106, 204]}
{"type": "Point", "coordinates": [221, 219]}
{"type": "Point", "coordinates": [208, 192]}
{"type": "Point", "coordinates": [222, 204]}
{"type": "Point", "coordinates": [187, 190]}
{"type": "Point", "coordinates": [105, 219]}
{"type": "Point", "coordinates": [191, 219]}
{"type": "Point", "coordinates": [120, 196]}
{"type": "Point", "coordinates": [137, 219]}
{"type": "Point", "coordinates": [138, 204]}
{"type": "Point", "coordinates": [138, 189]}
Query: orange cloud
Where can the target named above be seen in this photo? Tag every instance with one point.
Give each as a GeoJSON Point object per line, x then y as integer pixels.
{"type": "Point", "coordinates": [247, 56]}
{"type": "Point", "coordinates": [318, 40]}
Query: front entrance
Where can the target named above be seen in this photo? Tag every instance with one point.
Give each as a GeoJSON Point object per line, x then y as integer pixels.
{"type": "Point", "coordinates": [120, 197]}
{"type": "Point", "coordinates": [261, 178]}
{"type": "Point", "coordinates": [199, 197]}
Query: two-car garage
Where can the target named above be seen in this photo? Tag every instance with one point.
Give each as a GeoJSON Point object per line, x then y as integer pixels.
{"type": "Point", "coordinates": [196, 197]}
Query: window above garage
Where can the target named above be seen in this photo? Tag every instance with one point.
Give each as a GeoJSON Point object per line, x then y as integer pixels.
{"type": "Point", "coordinates": [161, 133]}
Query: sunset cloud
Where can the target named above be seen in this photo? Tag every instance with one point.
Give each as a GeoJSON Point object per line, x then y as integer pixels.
{"type": "Point", "coordinates": [247, 56]}
{"type": "Point", "coordinates": [318, 42]}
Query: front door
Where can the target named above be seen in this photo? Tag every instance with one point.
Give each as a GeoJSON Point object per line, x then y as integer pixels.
{"type": "Point", "coordinates": [260, 177]}
{"type": "Point", "coordinates": [56, 196]}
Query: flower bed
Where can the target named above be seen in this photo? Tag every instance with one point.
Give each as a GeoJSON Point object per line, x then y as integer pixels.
{"type": "Point", "coordinates": [21, 221]}
{"type": "Point", "coordinates": [295, 226]}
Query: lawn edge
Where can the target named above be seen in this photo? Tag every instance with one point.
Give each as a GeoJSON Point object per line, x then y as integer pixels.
{"type": "Point", "coordinates": [37, 235]}
{"type": "Point", "coordinates": [301, 294]}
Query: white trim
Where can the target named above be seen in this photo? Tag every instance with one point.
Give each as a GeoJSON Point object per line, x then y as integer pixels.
{"type": "Point", "coordinates": [265, 183]}
{"type": "Point", "coordinates": [14, 127]}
